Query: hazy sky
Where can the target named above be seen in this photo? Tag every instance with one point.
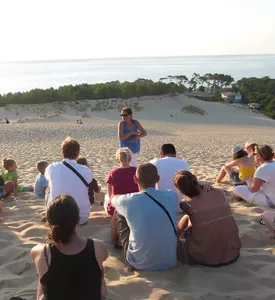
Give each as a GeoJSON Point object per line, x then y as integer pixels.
{"type": "Point", "coordinates": [63, 29]}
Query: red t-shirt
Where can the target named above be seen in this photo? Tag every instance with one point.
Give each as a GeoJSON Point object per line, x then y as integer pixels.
{"type": "Point", "coordinates": [122, 182]}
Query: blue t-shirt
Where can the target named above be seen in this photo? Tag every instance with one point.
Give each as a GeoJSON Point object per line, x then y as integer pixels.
{"type": "Point", "coordinates": [133, 146]}
{"type": "Point", "coordinates": [152, 241]}
{"type": "Point", "coordinates": [40, 183]}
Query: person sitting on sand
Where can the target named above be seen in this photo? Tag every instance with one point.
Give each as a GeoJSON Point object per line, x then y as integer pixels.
{"type": "Point", "coordinates": [130, 132]}
{"type": "Point", "coordinates": [239, 168]}
{"type": "Point", "coordinates": [211, 234]}
{"type": "Point", "coordinates": [148, 239]}
{"type": "Point", "coordinates": [6, 189]}
{"type": "Point", "coordinates": [260, 190]}
{"type": "Point", "coordinates": [120, 180]}
{"type": "Point", "coordinates": [168, 164]}
{"type": "Point", "coordinates": [41, 182]}
{"type": "Point", "coordinates": [93, 186]}
{"type": "Point", "coordinates": [63, 177]}
{"type": "Point", "coordinates": [250, 147]}
{"type": "Point", "coordinates": [69, 266]}
{"type": "Point", "coordinates": [11, 175]}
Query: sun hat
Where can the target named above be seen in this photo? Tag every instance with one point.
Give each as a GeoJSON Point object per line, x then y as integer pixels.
{"type": "Point", "coordinates": [236, 149]}
{"type": "Point", "coordinates": [248, 143]}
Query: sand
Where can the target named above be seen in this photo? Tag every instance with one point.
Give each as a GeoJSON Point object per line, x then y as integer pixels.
{"type": "Point", "coordinates": [204, 141]}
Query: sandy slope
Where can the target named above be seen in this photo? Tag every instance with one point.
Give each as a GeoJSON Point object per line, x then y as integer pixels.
{"type": "Point", "coordinates": [206, 147]}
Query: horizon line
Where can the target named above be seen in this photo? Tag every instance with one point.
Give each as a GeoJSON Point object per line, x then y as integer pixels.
{"type": "Point", "coordinates": [130, 57]}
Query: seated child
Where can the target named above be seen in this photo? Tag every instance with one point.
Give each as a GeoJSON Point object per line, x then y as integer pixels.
{"type": "Point", "coordinates": [11, 175]}
{"type": "Point", "coordinates": [5, 190]}
{"type": "Point", "coordinates": [93, 186]}
{"type": "Point", "coordinates": [41, 182]}
{"type": "Point", "coordinates": [240, 168]}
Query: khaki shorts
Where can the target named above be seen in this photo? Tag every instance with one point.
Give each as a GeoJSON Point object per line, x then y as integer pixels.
{"type": "Point", "coordinates": [123, 233]}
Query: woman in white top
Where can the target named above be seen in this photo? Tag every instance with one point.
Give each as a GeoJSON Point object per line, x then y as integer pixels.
{"type": "Point", "coordinates": [261, 189]}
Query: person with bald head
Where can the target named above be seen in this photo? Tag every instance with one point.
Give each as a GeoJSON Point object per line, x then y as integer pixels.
{"type": "Point", "coordinates": [148, 240]}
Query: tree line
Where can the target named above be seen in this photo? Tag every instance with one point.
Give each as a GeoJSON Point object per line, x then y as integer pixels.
{"type": "Point", "coordinates": [259, 90]}
{"type": "Point", "coordinates": [115, 89]}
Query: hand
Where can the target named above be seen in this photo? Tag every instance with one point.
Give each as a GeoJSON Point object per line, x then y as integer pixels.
{"type": "Point", "coordinates": [135, 133]}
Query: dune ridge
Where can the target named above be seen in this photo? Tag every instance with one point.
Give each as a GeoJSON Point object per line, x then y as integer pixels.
{"type": "Point", "coordinates": [203, 140]}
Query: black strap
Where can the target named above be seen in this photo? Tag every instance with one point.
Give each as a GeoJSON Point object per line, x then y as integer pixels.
{"type": "Point", "coordinates": [46, 257]}
{"type": "Point", "coordinates": [76, 173]}
{"type": "Point", "coordinates": [166, 211]}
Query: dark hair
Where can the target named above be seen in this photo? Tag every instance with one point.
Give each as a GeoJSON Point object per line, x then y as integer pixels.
{"type": "Point", "coordinates": [240, 154]}
{"type": "Point", "coordinates": [7, 163]}
{"type": "Point", "coordinates": [254, 145]}
{"type": "Point", "coordinates": [82, 161]}
{"type": "Point", "coordinates": [128, 110]}
{"type": "Point", "coordinates": [2, 181]}
{"type": "Point", "coordinates": [265, 151]}
{"type": "Point", "coordinates": [147, 174]}
{"type": "Point", "coordinates": [168, 149]}
{"type": "Point", "coordinates": [63, 216]}
{"type": "Point", "coordinates": [70, 148]}
{"type": "Point", "coordinates": [41, 164]}
{"type": "Point", "coordinates": [187, 183]}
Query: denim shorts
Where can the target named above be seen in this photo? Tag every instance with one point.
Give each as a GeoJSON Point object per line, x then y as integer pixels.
{"type": "Point", "coordinates": [234, 176]}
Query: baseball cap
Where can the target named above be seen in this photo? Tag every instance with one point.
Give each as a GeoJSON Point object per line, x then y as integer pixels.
{"type": "Point", "coordinates": [249, 143]}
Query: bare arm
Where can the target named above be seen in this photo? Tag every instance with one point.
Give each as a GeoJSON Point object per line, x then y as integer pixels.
{"type": "Point", "coordinates": [233, 163]}
{"type": "Point", "coordinates": [101, 254]}
{"type": "Point", "coordinates": [255, 184]}
{"type": "Point", "coordinates": [142, 132]}
{"type": "Point", "coordinates": [123, 136]}
{"type": "Point", "coordinates": [109, 190]}
{"type": "Point", "coordinates": [40, 264]}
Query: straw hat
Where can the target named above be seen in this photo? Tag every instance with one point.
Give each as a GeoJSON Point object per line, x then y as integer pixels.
{"type": "Point", "coordinates": [236, 149]}
{"type": "Point", "coordinates": [249, 143]}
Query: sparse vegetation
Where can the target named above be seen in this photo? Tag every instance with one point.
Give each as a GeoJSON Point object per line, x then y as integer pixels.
{"type": "Point", "coordinates": [193, 110]}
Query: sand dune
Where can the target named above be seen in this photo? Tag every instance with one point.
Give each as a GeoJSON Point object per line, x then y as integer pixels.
{"type": "Point", "coordinates": [203, 144]}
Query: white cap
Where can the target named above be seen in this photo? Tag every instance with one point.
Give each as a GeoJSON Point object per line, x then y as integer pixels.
{"type": "Point", "coordinates": [236, 149]}
{"type": "Point", "coordinates": [249, 143]}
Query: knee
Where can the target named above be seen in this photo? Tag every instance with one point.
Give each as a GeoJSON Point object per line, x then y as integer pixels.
{"type": "Point", "coordinates": [236, 193]}
{"type": "Point", "coordinates": [9, 187]}
{"type": "Point", "coordinates": [268, 215]}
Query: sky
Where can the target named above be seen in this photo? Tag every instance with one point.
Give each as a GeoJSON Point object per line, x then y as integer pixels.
{"type": "Point", "coordinates": [59, 29]}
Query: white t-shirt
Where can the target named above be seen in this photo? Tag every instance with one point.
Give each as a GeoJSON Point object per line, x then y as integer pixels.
{"type": "Point", "coordinates": [266, 172]}
{"type": "Point", "coordinates": [167, 167]}
{"type": "Point", "coordinates": [62, 180]}
{"type": "Point", "coordinates": [152, 240]}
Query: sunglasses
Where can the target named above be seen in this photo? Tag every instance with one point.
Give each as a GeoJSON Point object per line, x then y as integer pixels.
{"type": "Point", "coordinates": [124, 115]}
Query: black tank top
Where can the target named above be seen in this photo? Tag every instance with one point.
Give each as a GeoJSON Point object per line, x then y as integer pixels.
{"type": "Point", "coordinates": [73, 277]}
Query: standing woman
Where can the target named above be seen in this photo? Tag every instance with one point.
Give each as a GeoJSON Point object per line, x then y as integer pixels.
{"type": "Point", "coordinates": [129, 133]}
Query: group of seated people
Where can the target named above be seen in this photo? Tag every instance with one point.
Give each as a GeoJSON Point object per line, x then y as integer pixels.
{"type": "Point", "coordinates": [143, 203]}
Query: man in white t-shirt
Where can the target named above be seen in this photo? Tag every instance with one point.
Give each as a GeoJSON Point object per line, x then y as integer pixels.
{"type": "Point", "coordinates": [63, 180]}
{"type": "Point", "coordinates": [168, 164]}
{"type": "Point", "coordinates": [260, 190]}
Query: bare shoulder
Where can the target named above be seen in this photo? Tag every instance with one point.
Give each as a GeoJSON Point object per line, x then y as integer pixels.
{"type": "Point", "coordinates": [99, 243]}
{"type": "Point", "coordinates": [36, 251]}
{"type": "Point", "coordinates": [101, 251]}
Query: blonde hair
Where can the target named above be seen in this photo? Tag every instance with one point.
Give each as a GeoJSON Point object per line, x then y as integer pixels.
{"type": "Point", "coordinates": [7, 163]}
{"type": "Point", "coordinates": [123, 154]}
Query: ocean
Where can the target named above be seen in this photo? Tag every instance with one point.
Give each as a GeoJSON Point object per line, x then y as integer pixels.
{"type": "Point", "coordinates": [23, 76]}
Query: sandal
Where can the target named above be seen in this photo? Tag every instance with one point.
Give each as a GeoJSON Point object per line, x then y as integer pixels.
{"type": "Point", "coordinates": [262, 222]}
